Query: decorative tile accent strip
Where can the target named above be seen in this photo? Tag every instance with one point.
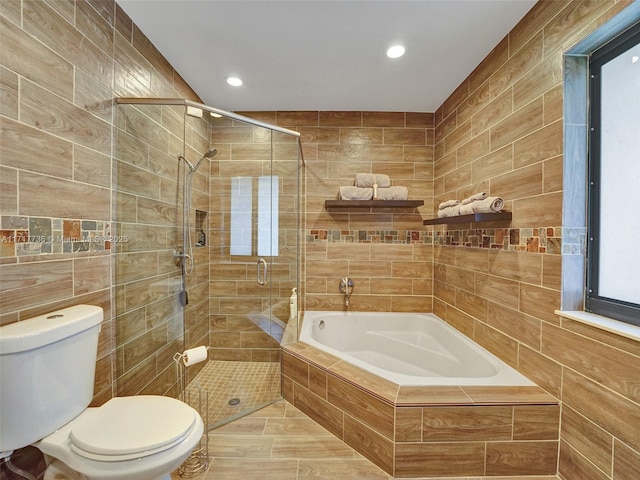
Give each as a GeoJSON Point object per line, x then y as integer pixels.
{"type": "Point", "coordinates": [22, 236]}
{"type": "Point", "coordinates": [552, 240]}
{"type": "Point", "coordinates": [371, 236]}
{"type": "Point", "coordinates": [534, 240]}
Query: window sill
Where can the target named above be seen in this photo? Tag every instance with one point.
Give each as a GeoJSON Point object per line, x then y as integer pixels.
{"type": "Point", "coordinates": [604, 323]}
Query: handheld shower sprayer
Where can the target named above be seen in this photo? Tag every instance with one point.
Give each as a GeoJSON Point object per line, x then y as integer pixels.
{"type": "Point", "coordinates": [183, 255]}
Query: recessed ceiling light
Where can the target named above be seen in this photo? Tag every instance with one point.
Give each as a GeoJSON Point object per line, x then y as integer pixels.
{"type": "Point", "coordinates": [234, 81]}
{"type": "Point", "coordinates": [395, 51]}
{"type": "Point", "coordinates": [215, 115]}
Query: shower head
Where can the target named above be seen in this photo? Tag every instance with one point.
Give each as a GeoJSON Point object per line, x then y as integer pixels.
{"type": "Point", "coordinates": [208, 154]}
{"type": "Point", "coordinates": [211, 153]}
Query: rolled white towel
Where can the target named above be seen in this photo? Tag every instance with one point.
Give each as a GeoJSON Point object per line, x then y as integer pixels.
{"type": "Point", "coordinates": [467, 209]}
{"type": "Point", "coordinates": [393, 193]}
{"type": "Point", "coordinates": [365, 180]}
{"type": "Point", "coordinates": [448, 203]}
{"type": "Point", "coordinates": [475, 197]}
{"type": "Point", "coordinates": [488, 205]}
{"type": "Point", "coordinates": [452, 211]}
{"type": "Point", "coordinates": [351, 192]}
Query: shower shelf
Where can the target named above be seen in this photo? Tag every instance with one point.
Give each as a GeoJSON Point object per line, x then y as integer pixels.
{"type": "Point", "coordinates": [473, 218]}
{"type": "Point", "coordinates": [346, 204]}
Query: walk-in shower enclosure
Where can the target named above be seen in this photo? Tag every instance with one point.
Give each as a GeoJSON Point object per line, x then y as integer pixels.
{"type": "Point", "coordinates": [243, 242]}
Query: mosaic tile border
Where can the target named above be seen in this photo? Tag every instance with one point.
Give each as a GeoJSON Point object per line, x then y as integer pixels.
{"type": "Point", "coordinates": [370, 236]}
{"type": "Point", "coordinates": [533, 240]}
{"type": "Point", "coordinates": [549, 240]}
{"type": "Point", "coordinates": [24, 236]}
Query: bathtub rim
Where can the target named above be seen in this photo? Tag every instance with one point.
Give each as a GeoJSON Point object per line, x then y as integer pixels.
{"type": "Point", "coordinates": [509, 376]}
{"type": "Point", "coordinates": [327, 365]}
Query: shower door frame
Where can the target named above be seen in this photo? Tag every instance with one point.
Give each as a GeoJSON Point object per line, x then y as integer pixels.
{"type": "Point", "coordinates": [205, 108]}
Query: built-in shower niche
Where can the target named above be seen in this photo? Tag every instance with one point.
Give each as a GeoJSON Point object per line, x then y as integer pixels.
{"type": "Point", "coordinates": [201, 228]}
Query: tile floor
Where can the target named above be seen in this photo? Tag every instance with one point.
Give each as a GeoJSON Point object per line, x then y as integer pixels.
{"type": "Point", "coordinates": [279, 442]}
{"type": "Point", "coordinates": [250, 384]}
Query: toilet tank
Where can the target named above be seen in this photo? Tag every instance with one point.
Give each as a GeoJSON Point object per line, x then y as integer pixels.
{"type": "Point", "coordinates": [47, 369]}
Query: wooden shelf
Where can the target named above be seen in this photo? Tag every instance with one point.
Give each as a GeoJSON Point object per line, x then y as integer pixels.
{"type": "Point", "coordinates": [372, 203]}
{"type": "Point", "coordinates": [474, 218]}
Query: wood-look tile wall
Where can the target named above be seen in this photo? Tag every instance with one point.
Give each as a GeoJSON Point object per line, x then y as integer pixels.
{"type": "Point", "coordinates": [389, 275]}
{"type": "Point", "coordinates": [61, 65]}
{"type": "Point", "coordinates": [501, 131]}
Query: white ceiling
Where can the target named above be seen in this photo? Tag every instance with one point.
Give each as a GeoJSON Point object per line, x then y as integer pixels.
{"type": "Point", "coordinates": [325, 54]}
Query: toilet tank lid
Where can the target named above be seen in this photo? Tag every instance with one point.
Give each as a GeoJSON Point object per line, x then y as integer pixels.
{"type": "Point", "coordinates": [48, 328]}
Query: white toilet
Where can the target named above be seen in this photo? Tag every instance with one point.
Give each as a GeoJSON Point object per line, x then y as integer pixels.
{"type": "Point", "coordinates": [47, 368]}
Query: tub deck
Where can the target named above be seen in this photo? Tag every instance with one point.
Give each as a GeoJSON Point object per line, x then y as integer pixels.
{"type": "Point", "coordinates": [425, 431]}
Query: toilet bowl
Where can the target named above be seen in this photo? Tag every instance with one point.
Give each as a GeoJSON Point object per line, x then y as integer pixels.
{"type": "Point", "coordinates": [47, 368]}
{"type": "Point", "coordinates": [138, 438]}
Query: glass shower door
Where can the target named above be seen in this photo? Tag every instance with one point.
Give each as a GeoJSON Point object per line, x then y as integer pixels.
{"type": "Point", "coordinates": [148, 225]}
{"type": "Point", "coordinates": [253, 262]}
{"type": "Point", "coordinates": [242, 209]}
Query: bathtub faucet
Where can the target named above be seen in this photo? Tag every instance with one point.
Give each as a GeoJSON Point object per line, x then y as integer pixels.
{"type": "Point", "coordinates": [346, 288]}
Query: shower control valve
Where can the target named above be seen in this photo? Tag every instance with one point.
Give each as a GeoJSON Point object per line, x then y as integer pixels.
{"type": "Point", "coordinates": [180, 257]}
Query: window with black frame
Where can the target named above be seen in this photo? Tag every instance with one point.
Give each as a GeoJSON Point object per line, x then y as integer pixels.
{"type": "Point", "coordinates": [613, 250]}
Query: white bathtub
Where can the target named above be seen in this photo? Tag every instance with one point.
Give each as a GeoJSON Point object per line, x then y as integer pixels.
{"type": "Point", "coordinates": [410, 349]}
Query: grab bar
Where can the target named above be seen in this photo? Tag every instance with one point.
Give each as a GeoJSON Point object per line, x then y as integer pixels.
{"type": "Point", "coordinates": [264, 278]}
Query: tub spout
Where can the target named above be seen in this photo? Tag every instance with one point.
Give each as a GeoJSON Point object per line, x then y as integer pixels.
{"type": "Point", "coordinates": [346, 288]}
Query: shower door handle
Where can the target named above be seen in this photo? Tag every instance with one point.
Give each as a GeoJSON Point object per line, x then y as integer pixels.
{"type": "Point", "coordinates": [264, 276]}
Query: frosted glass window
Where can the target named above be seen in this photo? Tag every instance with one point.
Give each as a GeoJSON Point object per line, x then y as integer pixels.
{"type": "Point", "coordinates": [241, 211]}
{"type": "Point", "coordinates": [268, 216]}
{"type": "Point", "coordinates": [613, 259]}
{"type": "Point", "coordinates": [619, 259]}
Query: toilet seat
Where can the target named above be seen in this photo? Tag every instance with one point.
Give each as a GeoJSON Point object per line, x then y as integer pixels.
{"type": "Point", "coordinates": [127, 428]}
